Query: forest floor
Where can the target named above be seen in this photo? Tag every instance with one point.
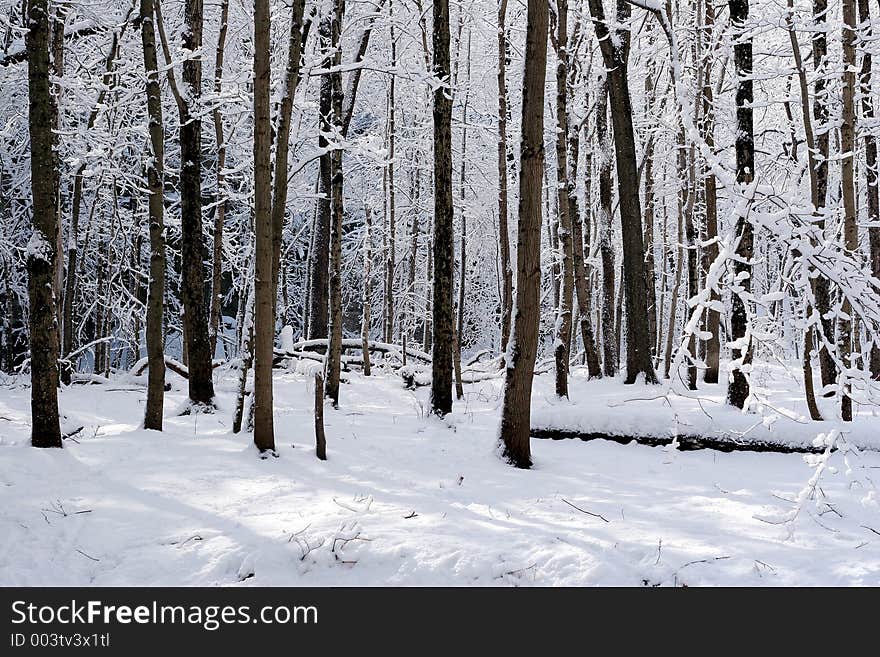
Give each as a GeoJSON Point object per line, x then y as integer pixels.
{"type": "Point", "coordinates": [407, 499]}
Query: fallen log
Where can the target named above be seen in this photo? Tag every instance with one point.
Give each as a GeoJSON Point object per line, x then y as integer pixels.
{"type": "Point", "coordinates": [685, 443]}
{"type": "Point", "coordinates": [172, 364]}
{"type": "Point", "coordinates": [358, 345]}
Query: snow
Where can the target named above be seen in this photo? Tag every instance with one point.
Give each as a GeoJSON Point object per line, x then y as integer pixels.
{"type": "Point", "coordinates": [408, 499]}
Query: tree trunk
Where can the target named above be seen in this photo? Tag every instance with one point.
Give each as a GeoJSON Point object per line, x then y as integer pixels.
{"type": "Point", "coordinates": [156, 186]}
{"type": "Point", "coordinates": [606, 248]}
{"type": "Point", "coordinates": [710, 251]}
{"type": "Point", "coordinates": [366, 299]}
{"type": "Point", "coordinates": [390, 208]}
{"type": "Point", "coordinates": [516, 410]}
{"type": "Point", "coordinates": [320, 437]}
{"type": "Point", "coordinates": [615, 54]}
{"type": "Point", "coordinates": [847, 164]}
{"type": "Point", "coordinates": [871, 175]}
{"type": "Point", "coordinates": [195, 319]}
{"type": "Point", "coordinates": [812, 168]}
{"type": "Point", "coordinates": [42, 248]}
{"type": "Point", "coordinates": [648, 217]}
{"type": "Point", "coordinates": [319, 283]}
{"type": "Point", "coordinates": [220, 201]}
{"type": "Point", "coordinates": [562, 338]}
{"type": "Point", "coordinates": [444, 259]}
{"type": "Point", "coordinates": [282, 135]}
{"type": "Point", "coordinates": [246, 349]}
{"type": "Point", "coordinates": [334, 349]}
{"type": "Point", "coordinates": [264, 290]}
{"type": "Point", "coordinates": [738, 388]}
{"type": "Point", "coordinates": [820, 112]}
{"type": "Point", "coordinates": [503, 231]}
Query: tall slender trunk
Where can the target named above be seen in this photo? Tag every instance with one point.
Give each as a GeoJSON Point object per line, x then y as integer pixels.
{"type": "Point", "coordinates": [812, 168]}
{"type": "Point", "coordinates": [523, 348]}
{"type": "Point", "coordinates": [690, 232]}
{"type": "Point", "coordinates": [366, 298]}
{"type": "Point", "coordinates": [42, 247]}
{"type": "Point", "coordinates": [220, 201]}
{"type": "Point", "coordinates": [264, 290]}
{"type": "Point", "coordinates": [846, 336]}
{"type": "Point", "coordinates": [192, 245]}
{"type": "Point", "coordinates": [738, 388]}
{"type": "Point", "coordinates": [648, 216]}
{"type": "Point", "coordinates": [581, 284]}
{"type": "Point", "coordinates": [444, 260]}
{"type": "Point", "coordinates": [823, 131]}
{"type": "Point", "coordinates": [562, 338]}
{"type": "Point", "coordinates": [606, 248]}
{"type": "Point", "coordinates": [320, 256]}
{"type": "Point", "coordinates": [156, 185]}
{"type": "Point", "coordinates": [388, 316]}
{"type": "Point", "coordinates": [871, 173]}
{"type": "Point", "coordinates": [710, 251]}
{"type": "Point", "coordinates": [462, 272]}
{"type": "Point", "coordinates": [334, 348]}
{"type": "Point", "coordinates": [503, 231]}
{"type": "Point", "coordinates": [296, 36]}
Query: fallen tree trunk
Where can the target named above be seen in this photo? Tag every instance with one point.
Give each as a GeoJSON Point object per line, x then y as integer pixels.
{"type": "Point", "coordinates": [685, 443]}
{"type": "Point", "coordinates": [354, 344]}
{"type": "Point", "coordinates": [174, 365]}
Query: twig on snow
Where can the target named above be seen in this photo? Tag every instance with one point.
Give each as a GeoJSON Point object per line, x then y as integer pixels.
{"type": "Point", "coordinates": [589, 513]}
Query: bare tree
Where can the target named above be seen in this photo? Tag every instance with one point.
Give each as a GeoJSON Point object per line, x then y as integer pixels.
{"type": "Point", "coordinates": [615, 54]}
{"type": "Point", "coordinates": [562, 339]}
{"type": "Point", "coordinates": [156, 207]}
{"type": "Point", "coordinates": [195, 319]}
{"type": "Point", "coordinates": [264, 290]}
{"type": "Point", "coordinates": [444, 259]}
{"type": "Point", "coordinates": [738, 388]}
{"type": "Point", "coordinates": [42, 248]}
{"type": "Point", "coordinates": [516, 409]}
{"type": "Point", "coordinates": [503, 231]}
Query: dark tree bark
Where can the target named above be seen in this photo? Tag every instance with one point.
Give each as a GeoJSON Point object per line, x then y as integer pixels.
{"type": "Point", "coordinates": [823, 131]}
{"type": "Point", "coordinates": [264, 290]}
{"type": "Point", "coordinates": [648, 220]}
{"type": "Point", "coordinates": [366, 298]}
{"type": "Point", "coordinates": [738, 388]}
{"type": "Point", "coordinates": [606, 249]}
{"type": "Point", "coordinates": [42, 249]}
{"type": "Point", "coordinates": [562, 338]}
{"type": "Point", "coordinates": [615, 54]}
{"type": "Point", "coordinates": [318, 283]}
{"type": "Point", "coordinates": [581, 282]}
{"type": "Point", "coordinates": [334, 350]}
{"type": "Point", "coordinates": [846, 336]}
{"type": "Point", "coordinates": [516, 410]}
{"type": "Point", "coordinates": [192, 245]}
{"type": "Point", "coordinates": [871, 174]}
{"type": "Point", "coordinates": [390, 208]}
{"type": "Point", "coordinates": [156, 207]}
{"type": "Point", "coordinates": [710, 252]}
{"type": "Point", "coordinates": [320, 437]}
{"type": "Point", "coordinates": [444, 258]}
{"type": "Point", "coordinates": [503, 231]}
{"type": "Point", "coordinates": [220, 202]}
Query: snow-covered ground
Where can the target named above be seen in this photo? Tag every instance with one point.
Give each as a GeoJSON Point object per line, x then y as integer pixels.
{"type": "Point", "coordinates": [408, 499]}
